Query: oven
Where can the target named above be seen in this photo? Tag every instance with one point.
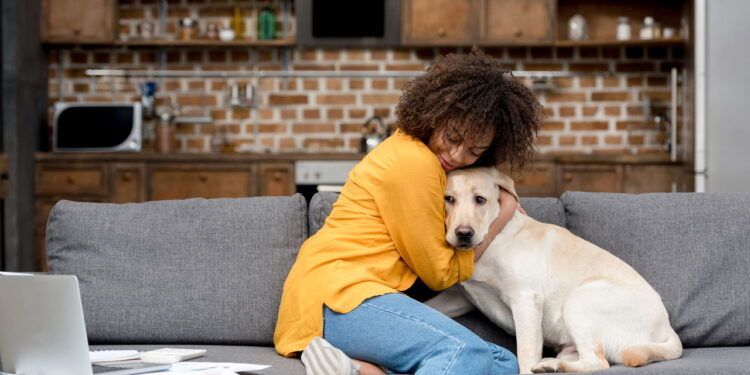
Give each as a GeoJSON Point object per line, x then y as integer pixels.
{"type": "Point", "coordinates": [312, 176]}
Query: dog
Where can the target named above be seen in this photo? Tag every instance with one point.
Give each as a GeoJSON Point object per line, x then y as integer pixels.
{"type": "Point", "coordinates": [551, 288]}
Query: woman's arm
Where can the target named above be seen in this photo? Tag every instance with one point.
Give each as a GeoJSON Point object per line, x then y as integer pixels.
{"type": "Point", "coordinates": [410, 199]}
{"type": "Point", "coordinates": [508, 207]}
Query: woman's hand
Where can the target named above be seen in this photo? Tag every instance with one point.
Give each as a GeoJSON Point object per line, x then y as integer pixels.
{"type": "Point", "coordinates": [508, 207]}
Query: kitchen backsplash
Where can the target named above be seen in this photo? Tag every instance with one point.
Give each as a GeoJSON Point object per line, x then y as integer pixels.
{"type": "Point", "coordinates": [600, 113]}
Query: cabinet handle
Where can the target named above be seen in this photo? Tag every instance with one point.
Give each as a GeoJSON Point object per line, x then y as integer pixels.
{"type": "Point", "coordinates": [567, 177]}
{"type": "Point", "coordinates": [277, 176]}
{"type": "Point", "coordinates": [127, 176]}
{"type": "Point", "coordinates": [441, 31]}
{"type": "Point", "coordinates": [202, 177]}
{"type": "Point", "coordinates": [70, 180]}
{"type": "Point", "coordinates": [518, 32]}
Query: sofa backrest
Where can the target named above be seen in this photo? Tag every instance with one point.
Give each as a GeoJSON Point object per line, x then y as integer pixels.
{"type": "Point", "coordinates": [693, 248]}
{"type": "Point", "coordinates": [191, 271]}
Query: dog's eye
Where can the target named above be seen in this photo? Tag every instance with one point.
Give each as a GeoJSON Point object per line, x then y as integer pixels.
{"type": "Point", "coordinates": [449, 199]}
{"type": "Point", "coordinates": [479, 200]}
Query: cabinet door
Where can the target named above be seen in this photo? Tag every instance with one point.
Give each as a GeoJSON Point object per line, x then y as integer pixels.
{"type": "Point", "coordinates": [440, 22]}
{"type": "Point", "coordinates": [517, 21]}
{"type": "Point", "coordinates": [537, 180]}
{"type": "Point", "coordinates": [211, 181]}
{"type": "Point", "coordinates": [79, 178]}
{"type": "Point", "coordinates": [592, 178]}
{"type": "Point", "coordinates": [79, 21]}
{"type": "Point", "coordinates": [127, 183]}
{"type": "Point", "coordinates": [276, 179]}
{"type": "Point", "coordinates": [640, 179]}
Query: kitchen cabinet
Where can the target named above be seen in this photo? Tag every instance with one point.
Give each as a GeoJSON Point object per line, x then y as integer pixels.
{"type": "Point", "coordinates": [439, 22]}
{"type": "Point", "coordinates": [639, 179]}
{"type": "Point", "coordinates": [183, 182]}
{"type": "Point", "coordinates": [591, 178]}
{"type": "Point", "coordinates": [79, 21]}
{"type": "Point", "coordinates": [517, 21]}
{"type": "Point", "coordinates": [536, 180]}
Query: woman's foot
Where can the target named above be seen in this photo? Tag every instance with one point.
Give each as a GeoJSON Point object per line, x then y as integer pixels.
{"type": "Point", "coordinates": [322, 358]}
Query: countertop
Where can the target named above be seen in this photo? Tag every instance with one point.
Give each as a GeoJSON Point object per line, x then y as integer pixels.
{"type": "Point", "coordinates": [286, 157]}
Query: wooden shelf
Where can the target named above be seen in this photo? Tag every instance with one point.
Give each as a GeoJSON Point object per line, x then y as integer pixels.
{"type": "Point", "coordinates": [615, 43]}
{"type": "Point", "coordinates": [286, 42]}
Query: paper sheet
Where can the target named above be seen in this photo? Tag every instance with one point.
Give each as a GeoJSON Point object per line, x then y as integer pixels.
{"type": "Point", "coordinates": [113, 355]}
{"type": "Point", "coordinates": [211, 368]}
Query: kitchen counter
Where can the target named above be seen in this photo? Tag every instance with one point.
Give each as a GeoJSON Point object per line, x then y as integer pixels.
{"type": "Point", "coordinates": [270, 157]}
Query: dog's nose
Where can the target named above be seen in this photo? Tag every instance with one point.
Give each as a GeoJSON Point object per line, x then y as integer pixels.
{"type": "Point", "coordinates": [464, 233]}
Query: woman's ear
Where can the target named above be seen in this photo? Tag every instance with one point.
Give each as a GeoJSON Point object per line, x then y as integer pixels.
{"type": "Point", "coordinates": [504, 182]}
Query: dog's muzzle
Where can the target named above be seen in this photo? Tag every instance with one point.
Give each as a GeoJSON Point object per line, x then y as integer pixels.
{"type": "Point", "coordinates": [464, 235]}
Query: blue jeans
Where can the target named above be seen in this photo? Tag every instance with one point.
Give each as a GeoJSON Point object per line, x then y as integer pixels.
{"type": "Point", "coordinates": [406, 336]}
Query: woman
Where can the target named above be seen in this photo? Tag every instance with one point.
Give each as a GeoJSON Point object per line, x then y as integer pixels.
{"type": "Point", "coordinates": [387, 229]}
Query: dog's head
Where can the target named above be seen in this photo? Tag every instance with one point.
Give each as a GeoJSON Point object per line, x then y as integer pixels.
{"type": "Point", "coordinates": [471, 204]}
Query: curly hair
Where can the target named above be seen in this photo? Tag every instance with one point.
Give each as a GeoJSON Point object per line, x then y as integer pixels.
{"type": "Point", "coordinates": [469, 96]}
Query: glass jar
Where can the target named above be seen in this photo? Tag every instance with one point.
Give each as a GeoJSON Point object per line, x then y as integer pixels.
{"type": "Point", "coordinates": [647, 28]}
{"type": "Point", "coordinates": [623, 28]}
{"type": "Point", "coordinates": [577, 28]}
{"type": "Point", "coordinates": [188, 27]}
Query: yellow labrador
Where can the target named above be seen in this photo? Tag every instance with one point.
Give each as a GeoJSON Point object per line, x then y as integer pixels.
{"type": "Point", "coordinates": [549, 287]}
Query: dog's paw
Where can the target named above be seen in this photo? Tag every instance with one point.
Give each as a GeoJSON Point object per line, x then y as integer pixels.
{"type": "Point", "coordinates": [546, 365]}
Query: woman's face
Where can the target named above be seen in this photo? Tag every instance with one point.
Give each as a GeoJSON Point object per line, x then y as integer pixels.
{"type": "Point", "coordinates": [455, 153]}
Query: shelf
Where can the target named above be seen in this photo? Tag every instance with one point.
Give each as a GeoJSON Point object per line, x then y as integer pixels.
{"type": "Point", "coordinates": [286, 42]}
{"type": "Point", "coordinates": [615, 43]}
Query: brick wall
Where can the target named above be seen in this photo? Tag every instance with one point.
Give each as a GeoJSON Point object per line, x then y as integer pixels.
{"type": "Point", "coordinates": [599, 113]}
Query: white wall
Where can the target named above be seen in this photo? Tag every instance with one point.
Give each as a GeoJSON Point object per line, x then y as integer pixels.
{"type": "Point", "coordinates": [727, 95]}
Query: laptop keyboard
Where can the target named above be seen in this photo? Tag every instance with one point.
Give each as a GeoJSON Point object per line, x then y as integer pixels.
{"type": "Point", "coordinates": [105, 369]}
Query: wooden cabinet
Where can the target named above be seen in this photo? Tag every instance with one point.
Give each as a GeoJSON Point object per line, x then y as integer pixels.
{"type": "Point", "coordinates": [182, 182]}
{"type": "Point", "coordinates": [79, 21]}
{"type": "Point", "coordinates": [592, 178]}
{"type": "Point", "coordinates": [440, 22]}
{"type": "Point", "coordinates": [640, 179]}
{"type": "Point", "coordinates": [517, 21]}
{"type": "Point", "coordinates": [467, 22]}
{"type": "Point", "coordinates": [536, 180]}
{"type": "Point", "coordinates": [276, 179]}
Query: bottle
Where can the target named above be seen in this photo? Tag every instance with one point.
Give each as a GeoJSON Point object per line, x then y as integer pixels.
{"type": "Point", "coordinates": [623, 28]}
{"type": "Point", "coordinates": [237, 24]}
{"type": "Point", "coordinates": [266, 23]}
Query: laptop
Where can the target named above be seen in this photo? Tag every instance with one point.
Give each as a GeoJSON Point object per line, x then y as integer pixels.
{"type": "Point", "coordinates": [42, 330]}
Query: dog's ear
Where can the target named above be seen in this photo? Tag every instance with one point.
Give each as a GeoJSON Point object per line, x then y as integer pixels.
{"type": "Point", "coordinates": [504, 181]}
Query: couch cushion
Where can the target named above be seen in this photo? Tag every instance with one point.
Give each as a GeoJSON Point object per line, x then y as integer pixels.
{"type": "Point", "coordinates": [320, 207]}
{"type": "Point", "coordinates": [190, 271]}
{"type": "Point", "coordinates": [546, 210]}
{"type": "Point", "coordinates": [693, 248]}
{"type": "Point", "coordinates": [699, 361]}
{"type": "Point", "coordinates": [259, 355]}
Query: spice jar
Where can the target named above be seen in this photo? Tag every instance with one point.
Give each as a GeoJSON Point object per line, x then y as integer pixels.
{"type": "Point", "coordinates": [577, 28]}
{"type": "Point", "coordinates": [623, 28]}
{"type": "Point", "coordinates": [647, 28]}
{"type": "Point", "coordinates": [188, 28]}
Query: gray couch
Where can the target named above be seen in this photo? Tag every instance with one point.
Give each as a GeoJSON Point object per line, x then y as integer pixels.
{"type": "Point", "coordinates": [209, 273]}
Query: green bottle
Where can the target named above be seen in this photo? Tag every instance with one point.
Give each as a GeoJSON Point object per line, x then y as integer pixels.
{"type": "Point", "coordinates": [266, 23]}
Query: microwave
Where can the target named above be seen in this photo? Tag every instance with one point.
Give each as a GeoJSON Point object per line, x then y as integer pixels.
{"type": "Point", "coordinates": [348, 23]}
{"type": "Point", "coordinates": [96, 127]}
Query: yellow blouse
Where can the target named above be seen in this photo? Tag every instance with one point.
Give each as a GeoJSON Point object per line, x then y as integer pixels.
{"type": "Point", "coordinates": [386, 228]}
